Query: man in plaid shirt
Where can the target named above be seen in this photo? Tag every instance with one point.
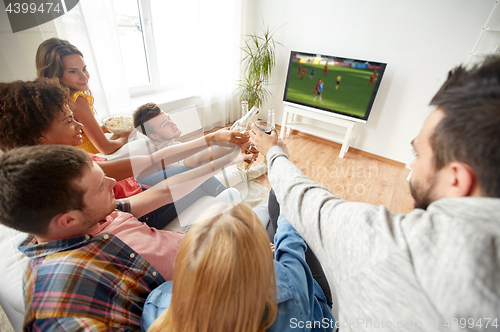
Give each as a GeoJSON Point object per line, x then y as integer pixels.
{"type": "Point", "coordinates": [91, 267]}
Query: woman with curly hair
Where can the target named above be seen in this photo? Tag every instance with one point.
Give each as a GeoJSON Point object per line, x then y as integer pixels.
{"type": "Point", "coordinates": [28, 110]}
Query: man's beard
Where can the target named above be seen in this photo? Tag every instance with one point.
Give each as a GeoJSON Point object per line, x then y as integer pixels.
{"type": "Point", "coordinates": [422, 197]}
{"type": "Point", "coordinates": [91, 219]}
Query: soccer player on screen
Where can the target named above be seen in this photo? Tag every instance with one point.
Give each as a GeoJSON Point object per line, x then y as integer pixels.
{"type": "Point", "coordinates": [312, 73]}
{"type": "Point", "coordinates": [300, 70]}
{"type": "Point", "coordinates": [303, 73]}
{"type": "Point", "coordinates": [316, 88]}
{"type": "Point", "coordinates": [372, 78]}
{"type": "Point", "coordinates": [319, 90]}
{"type": "Point", "coordinates": [338, 82]}
{"type": "Point", "coordinates": [326, 69]}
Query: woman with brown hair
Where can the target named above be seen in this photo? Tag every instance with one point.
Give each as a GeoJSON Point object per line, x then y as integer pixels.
{"type": "Point", "coordinates": [57, 58]}
{"type": "Point", "coordinates": [225, 279]}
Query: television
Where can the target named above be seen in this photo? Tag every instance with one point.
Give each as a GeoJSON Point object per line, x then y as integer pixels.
{"type": "Point", "coordinates": [340, 86]}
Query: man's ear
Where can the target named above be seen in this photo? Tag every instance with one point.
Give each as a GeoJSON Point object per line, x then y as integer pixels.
{"type": "Point", "coordinates": [66, 220]}
{"type": "Point", "coordinates": [41, 140]}
{"type": "Point", "coordinates": [463, 180]}
{"type": "Point", "coordinates": [62, 226]}
{"type": "Point", "coordinates": [154, 137]}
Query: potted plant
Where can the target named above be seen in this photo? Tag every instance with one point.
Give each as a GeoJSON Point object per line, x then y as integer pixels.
{"type": "Point", "coordinates": [258, 62]}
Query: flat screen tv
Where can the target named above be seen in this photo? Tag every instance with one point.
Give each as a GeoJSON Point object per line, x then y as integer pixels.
{"type": "Point", "coordinates": [343, 87]}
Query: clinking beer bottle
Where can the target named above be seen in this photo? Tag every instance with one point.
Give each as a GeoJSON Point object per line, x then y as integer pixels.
{"type": "Point", "coordinates": [242, 125]}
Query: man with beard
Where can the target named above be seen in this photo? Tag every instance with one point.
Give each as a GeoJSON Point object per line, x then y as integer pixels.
{"type": "Point", "coordinates": [437, 266]}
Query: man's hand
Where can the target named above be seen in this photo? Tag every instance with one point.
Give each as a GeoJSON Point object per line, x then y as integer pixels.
{"type": "Point", "coordinates": [229, 136]}
{"type": "Point", "coordinates": [263, 141]}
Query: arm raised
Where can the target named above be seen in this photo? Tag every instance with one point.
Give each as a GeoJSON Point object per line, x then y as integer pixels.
{"type": "Point", "coordinates": [179, 185]}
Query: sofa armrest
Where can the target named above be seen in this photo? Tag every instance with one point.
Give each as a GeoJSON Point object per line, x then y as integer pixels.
{"type": "Point", "coordinates": [12, 264]}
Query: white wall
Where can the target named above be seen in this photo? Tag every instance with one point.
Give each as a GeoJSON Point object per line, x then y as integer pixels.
{"type": "Point", "coordinates": [17, 51]}
{"type": "Point", "coordinates": [419, 40]}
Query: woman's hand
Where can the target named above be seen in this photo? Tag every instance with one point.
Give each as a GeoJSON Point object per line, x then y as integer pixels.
{"type": "Point", "coordinates": [229, 136]}
{"type": "Point", "coordinates": [249, 154]}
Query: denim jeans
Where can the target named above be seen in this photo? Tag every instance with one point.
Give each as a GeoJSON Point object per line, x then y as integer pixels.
{"type": "Point", "coordinates": [316, 269]}
{"type": "Point", "coordinates": [160, 217]}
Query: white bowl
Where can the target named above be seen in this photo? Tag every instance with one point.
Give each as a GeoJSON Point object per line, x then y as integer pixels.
{"type": "Point", "coordinates": [119, 124]}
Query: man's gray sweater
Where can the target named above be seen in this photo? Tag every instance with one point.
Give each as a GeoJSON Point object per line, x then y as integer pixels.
{"type": "Point", "coordinates": [434, 269]}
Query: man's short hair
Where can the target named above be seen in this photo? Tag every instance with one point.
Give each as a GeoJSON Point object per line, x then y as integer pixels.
{"type": "Point", "coordinates": [142, 116]}
{"type": "Point", "coordinates": [470, 130]}
{"type": "Point", "coordinates": [39, 183]}
{"type": "Point", "coordinates": [28, 109]}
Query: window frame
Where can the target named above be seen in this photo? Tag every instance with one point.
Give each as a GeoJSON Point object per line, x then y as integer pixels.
{"type": "Point", "coordinates": [145, 17]}
{"type": "Point", "coordinates": [155, 88]}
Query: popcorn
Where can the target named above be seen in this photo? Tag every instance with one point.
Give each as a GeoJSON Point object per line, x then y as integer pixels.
{"type": "Point", "coordinates": [119, 125]}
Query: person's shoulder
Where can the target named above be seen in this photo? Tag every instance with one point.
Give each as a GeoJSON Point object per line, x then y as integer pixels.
{"type": "Point", "coordinates": [156, 303]}
{"type": "Point", "coordinates": [80, 99]}
{"type": "Point", "coordinates": [67, 260]}
{"type": "Point", "coordinates": [160, 293]}
{"type": "Point", "coordinates": [120, 216]}
{"type": "Point", "coordinates": [167, 143]}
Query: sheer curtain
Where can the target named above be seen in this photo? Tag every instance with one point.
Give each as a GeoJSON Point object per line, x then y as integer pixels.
{"type": "Point", "coordinates": [220, 60]}
{"type": "Point", "coordinates": [91, 27]}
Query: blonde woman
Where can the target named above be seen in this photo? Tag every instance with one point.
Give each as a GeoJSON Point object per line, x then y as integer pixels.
{"type": "Point", "coordinates": [225, 279]}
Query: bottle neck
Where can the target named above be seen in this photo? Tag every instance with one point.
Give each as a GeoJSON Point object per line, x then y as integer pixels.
{"type": "Point", "coordinates": [245, 119]}
{"type": "Point", "coordinates": [244, 108]}
{"type": "Point", "coordinates": [270, 118]}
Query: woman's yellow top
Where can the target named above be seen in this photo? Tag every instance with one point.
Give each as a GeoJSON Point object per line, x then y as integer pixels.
{"type": "Point", "coordinates": [87, 144]}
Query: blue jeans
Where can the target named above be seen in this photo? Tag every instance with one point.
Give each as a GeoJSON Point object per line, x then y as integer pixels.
{"type": "Point", "coordinates": [160, 217]}
{"type": "Point", "coordinates": [311, 259]}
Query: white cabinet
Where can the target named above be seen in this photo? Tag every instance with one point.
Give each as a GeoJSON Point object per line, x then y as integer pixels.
{"type": "Point", "coordinates": [289, 122]}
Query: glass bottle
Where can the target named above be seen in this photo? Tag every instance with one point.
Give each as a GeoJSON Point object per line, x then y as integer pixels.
{"type": "Point", "coordinates": [243, 124]}
{"type": "Point", "coordinates": [244, 108]}
{"type": "Point", "coordinates": [271, 119]}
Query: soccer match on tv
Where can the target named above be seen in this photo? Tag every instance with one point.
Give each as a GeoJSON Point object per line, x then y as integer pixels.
{"type": "Point", "coordinates": [337, 85]}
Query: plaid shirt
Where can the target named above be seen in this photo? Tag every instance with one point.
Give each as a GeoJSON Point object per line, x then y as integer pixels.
{"type": "Point", "coordinates": [85, 284]}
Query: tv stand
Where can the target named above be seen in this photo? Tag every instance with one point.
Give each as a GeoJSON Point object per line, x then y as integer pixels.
{"type": "Point", "coordinates": [290, 113]}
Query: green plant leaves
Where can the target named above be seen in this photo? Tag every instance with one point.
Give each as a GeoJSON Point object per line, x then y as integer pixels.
{"type": "Point", "coordinates": [259, 60]}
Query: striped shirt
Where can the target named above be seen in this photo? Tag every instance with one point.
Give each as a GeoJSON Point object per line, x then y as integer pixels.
{"type": "Point", "coordinates": [85, 283]}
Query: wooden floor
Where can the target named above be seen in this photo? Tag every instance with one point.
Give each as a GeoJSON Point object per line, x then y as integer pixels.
{"type": "Point", "coordinates": [357, 177]}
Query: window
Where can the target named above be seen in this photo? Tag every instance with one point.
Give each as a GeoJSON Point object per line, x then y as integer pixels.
{"type": "Point", "coordinates": [160, 43]}
{"type": "Point", "coordinates": [132, 43]}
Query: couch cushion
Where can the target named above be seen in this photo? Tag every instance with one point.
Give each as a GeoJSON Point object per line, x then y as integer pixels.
{"type": "Point", "coordinates": [13, 264]}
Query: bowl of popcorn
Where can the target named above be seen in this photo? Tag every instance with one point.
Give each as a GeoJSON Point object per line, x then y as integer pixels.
{"type": "Point", "coordinates": [119, 124]}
